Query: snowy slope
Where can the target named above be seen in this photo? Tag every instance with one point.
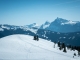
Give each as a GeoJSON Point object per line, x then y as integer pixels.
{"type": "Point", "coordinates": [24, 47]}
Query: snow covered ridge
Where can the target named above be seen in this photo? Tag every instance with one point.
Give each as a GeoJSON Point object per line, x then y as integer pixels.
{"type": "Point", "coordinates": [60, 20]}
{"type": "Point", "coordinates": [32, 27]}
{"type": "Point", "coordinates": [24, 47]}
{"type": "Point", "coordinates": [61, 25]}
{"type": "Point", "coordinates": [45, 25]}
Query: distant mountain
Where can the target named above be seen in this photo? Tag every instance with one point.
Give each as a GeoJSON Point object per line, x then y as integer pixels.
{"type": "Point", "coordinates": [34, 25]}
{"type": "Point", "coordinates": [6, 30]}
{"type": "Point", "coordinates": [45, 25]}
{"type": "Point", "coordinates": [62, 25]}
{"type": "Point", "coordinates": [72, 38]}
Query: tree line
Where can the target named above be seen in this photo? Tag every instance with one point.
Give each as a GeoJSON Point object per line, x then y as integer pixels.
{"type": "Point", "coordinates": [63, 47]}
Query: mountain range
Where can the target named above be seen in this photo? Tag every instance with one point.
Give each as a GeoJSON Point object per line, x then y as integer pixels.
{"type": "Point", "coordinates": [63, 30]}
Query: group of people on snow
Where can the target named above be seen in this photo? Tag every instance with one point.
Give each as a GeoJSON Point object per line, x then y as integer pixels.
{"type": "Point", "coordinates": [36, 37]}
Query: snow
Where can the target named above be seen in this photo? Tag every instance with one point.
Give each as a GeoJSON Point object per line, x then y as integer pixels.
{"type": "Point", "coordinates": [12, 28]}
{"type": "Point", "coordinates": [1, 29]}
{"type": "Point", "coordinates": [33, 30]}
{"type": "Point", "coordinates": [64, 21]}
{"type": "Point", "coordinates": [15, 28]}
{"type": "Point", "coordinates": [60, 37]}
{"type": "Point", "coordinates": [25, 28]}
{"type": "Point", "coordinates": [33, 25]}
{"type": "Point", "coordinates": [5, 27]}
{"type": "Point", "coordinates": [77, 33]}
{"type": "Point", "coordinates": [45, 26]}
{"type": "Point", "coordinates": [69, 22]}
{"type": "Point", "coordinates": [36, 25]}
{"type": "Point", "coordinates": [73, 37]}
{"type": "Point", "coordinates": [69, 37]}
{"type": "Point", "coordinates": [58, 32]}
{"type": "Point", "coordinates": [64, 37]}
{"type": "Point", "coordinates": [44, 32]}
{"type": "Point", "coordinates": [24, 47]}
{"type": "Point", "coordinates": [44, 35]}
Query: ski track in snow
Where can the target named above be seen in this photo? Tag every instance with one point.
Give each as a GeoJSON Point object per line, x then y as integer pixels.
{"type": "Point", "coordinates": [42, 48]}
{"type": "Point", "coordinates": [30, 49]}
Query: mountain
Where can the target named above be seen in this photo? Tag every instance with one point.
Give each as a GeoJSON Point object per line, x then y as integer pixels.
{"type": "Point", "coordinates": [45, 25]}
{"type": "Point", "coordinates": [34, 25]}
{"type": "Point", "coordinates": [13, 27]}
{"type": "Point", "coordinates": [16, 47]}
{"type": "Point", "coordinates": [72, 38]}
{"type": "Point", "coordinates": [63, 26]}
{"type": "Point", "coordinates": [6, 30]}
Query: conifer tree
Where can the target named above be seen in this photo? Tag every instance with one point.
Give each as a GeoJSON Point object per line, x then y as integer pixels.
{"type": "Point", "coordinates": [60, 48]}
{"type": "Point", "coordinates": [74, 54]}
{"type": "Point", "coordinates": [37, 37]}
{"type": "Point", "coordinates": [63, 45]}
{"type": "Point", "coordinates": [78, 53]}
{"type": "Point", "coordinates": [64, 50]}
{"type": "Point", "coordinates": [34, 37]}
{"type": "Point", "coordinates": [58, 44]}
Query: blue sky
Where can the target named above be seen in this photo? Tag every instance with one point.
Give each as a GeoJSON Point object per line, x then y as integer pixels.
{"type": "Point", "coordinates": [24, 12]}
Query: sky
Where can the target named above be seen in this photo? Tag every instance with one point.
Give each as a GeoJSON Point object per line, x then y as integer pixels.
{"type": "Point", "coordinates": [25, 12]}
